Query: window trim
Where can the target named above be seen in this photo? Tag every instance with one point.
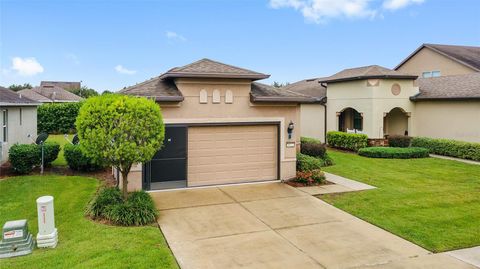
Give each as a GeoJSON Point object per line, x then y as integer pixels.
{"type": "Point", "coordinates": [5, 125]}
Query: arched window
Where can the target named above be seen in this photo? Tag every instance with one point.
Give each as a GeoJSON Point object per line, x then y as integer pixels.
{"type": "Point", "coordinates": [350, 120]}
{"type": "Point", "coordinates": [216, 97]}
{"type": "Point", "coordinates": [203, 97]}
{"type": "Point", "coordinates": [228, 97]}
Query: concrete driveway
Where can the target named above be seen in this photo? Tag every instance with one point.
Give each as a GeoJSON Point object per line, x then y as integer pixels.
{"type": "Point", "coordinates": [273, 225]}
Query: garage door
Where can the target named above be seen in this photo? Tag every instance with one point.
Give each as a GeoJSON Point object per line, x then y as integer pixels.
{"type": "Point", "coordinates": [231, 154]}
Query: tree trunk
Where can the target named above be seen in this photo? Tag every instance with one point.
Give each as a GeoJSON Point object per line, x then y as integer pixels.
{"type": "Point", "coordinates": [125, 184]}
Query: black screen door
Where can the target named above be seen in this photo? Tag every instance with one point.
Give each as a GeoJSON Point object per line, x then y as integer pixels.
{"type": "Point", "coordinates": [169, 165]}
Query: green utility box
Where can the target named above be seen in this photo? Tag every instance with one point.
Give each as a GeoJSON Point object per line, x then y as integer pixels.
{"type": "Point", "coordinates": [16, 239]}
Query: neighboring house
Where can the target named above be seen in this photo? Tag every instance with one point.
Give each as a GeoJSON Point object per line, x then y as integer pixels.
{"type": "Point", "coordinates": [222, 127]}
{"type": "Point", "coordinates": [67, 85]}
{"type": "Point", "coordinates": [50, 94]}
{"type": "Point", "coordinates": [379, 101]}
{"type": "Point", "coordinates": [18, 119]}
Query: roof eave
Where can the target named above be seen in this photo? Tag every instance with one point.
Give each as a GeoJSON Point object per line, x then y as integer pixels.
{"type": "Point", "coordinates": [368, 77]}
{"type": "Point", "coordinates": [276, 99]}
{"type": "Point", "coordinates": [417, 99]}
{"type": "Point", "coordinates": [20, 104]}
{"type": "Point", "coordinates": [211, 75]}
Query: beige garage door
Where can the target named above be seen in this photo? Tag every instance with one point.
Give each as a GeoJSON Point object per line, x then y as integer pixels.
{"type": "Point", "coordinates": [231, 154]}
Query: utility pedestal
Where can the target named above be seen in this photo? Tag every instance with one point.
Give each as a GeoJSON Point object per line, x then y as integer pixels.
{"type": "Point", "coordinates": [16, 240]}
{"type": "Point", "coordinates": [47, 236]}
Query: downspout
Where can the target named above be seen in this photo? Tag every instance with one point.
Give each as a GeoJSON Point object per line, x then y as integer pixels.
{"type": "Point", "coordinates": [324, 104]}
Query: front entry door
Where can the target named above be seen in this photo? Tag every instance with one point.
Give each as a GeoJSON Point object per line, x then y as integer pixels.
{"type": "Point", "coordinates": [167, 169]}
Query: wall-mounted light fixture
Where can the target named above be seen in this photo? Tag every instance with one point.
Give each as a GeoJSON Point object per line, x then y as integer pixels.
{"type": "Point", "coordinates": [290, 128]}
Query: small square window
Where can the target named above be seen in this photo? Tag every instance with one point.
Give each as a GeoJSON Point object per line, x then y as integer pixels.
{"type": "Point", "coordinates": [427, 74]}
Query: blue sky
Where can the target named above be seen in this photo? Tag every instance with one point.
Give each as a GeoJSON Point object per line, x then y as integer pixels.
{"type": "Point", "coordinates": [111, 44]}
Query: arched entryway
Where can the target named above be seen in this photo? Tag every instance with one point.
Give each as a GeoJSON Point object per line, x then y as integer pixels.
{"type": "Point", "coordinates": [350, 119]}
{"type": "Point", "coordinates": [395, 122]}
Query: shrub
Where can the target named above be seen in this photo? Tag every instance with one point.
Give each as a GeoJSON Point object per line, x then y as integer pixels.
{"type": "Point", "coordinates": [347, 141]}
{"type": "Point", "coordinates": [104, 198]}
{"type": "Point", "coordinates": [305, 140]}
{"type": "Point", "coordinates": [137, 209]}
{"type": "Point", "coordinates": [394, 153]}
{"type": "Point", "coordinates": [310, 178]}
{"type": "Point", "coordinates": [399, 141]}
{"type": "Point", "coordinates": [313, 149]}
{"type": "Point", "coordinates": [308, 163]}
{"type": "Point", "coordinates": [50, 152]}
{"type": "Point", "coordinates": [24, 157]}
{"type": "Point", "coordinates": [448, 147]}
{"type": "Point", "coordinates": [78, 161]}
{"type": "Point", "coordinates": [57, 118]}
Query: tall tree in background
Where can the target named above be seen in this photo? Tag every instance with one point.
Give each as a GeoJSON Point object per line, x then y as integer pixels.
{"type": "Point", "coordinates": [277, 84]}
{"type": "Point", "coordinates": [16, 88]}
{"type": "Point", "coordinates": [84, 92]}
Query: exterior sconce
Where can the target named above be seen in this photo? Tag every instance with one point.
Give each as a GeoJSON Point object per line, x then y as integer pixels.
{"type": "Point", "coordinates": [290, 128]}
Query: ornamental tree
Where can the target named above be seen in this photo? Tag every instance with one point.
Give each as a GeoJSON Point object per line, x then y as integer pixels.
{"type": "Point", "coordinates": [120, 131]}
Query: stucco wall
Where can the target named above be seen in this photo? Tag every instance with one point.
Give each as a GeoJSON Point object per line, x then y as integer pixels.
{"type": "Point", "coordinates": [312, 121]}
{"type": "Point", "coordinates": [373, 102]}
{"type": "Point", "coordinates": [429, 60]}
{"type": "Point", "coordinates": [241, 110]}
{"type": "Point", "coordinates": [17, 133]}
{"type": "Point", "coordinates": [457, 120]}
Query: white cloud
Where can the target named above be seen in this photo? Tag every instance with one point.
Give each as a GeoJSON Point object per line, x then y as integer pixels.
{"type": "Point", "coordinates": [174, 36]}
{"type": "Point", "coordinates": [319, 11]}
{"type": "Point", "coordinates": [398, 4]}
{"type": "Point", "coordinates": [26, 66]}
{"type": "Point", "coordinates": [122, 70]}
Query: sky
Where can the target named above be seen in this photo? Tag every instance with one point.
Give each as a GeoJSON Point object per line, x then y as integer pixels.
{"type": "Point", "coordinates": [112, 44]}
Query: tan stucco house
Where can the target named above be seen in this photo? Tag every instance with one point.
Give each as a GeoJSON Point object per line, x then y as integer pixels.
{"type": "Point", "coordinates": [222, 127]}
{"type": "Point", "coordinates": [18, 119]}
{"type": "Point", "coordinates": [434, 92]}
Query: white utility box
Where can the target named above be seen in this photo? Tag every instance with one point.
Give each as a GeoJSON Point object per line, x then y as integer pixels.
{"type": "Point", "coordinates": [47, 236]}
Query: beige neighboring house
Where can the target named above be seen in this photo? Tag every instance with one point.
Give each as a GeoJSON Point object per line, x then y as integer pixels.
{"type": "Point", "coordinates": [18, 119]}
{"type": "Point", "coordinates": [434, 92]}
{"type": "Point", "coordinates": [53, 92]}
{"type": "Point", "coordinates": [222, 127]}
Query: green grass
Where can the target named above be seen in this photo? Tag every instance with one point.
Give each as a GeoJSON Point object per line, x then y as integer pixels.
{"type": "Point", "coordinates": [60, 161]}
{"type": "Point", "coordinates": [82, 243]}
{"type": "Point", "coordinates": [432, 202]}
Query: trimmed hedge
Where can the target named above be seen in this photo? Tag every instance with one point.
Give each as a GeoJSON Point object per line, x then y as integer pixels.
{"type": "Point", "coordinates": [394, 153]}
{"type": "Point", "coordinates": [308, 163]}
{"type": "Point", "coordinates": [399, 141]}
{"type": "Point", "coordinates": [137, 209]}
{"type": "Point", "coordinates": [448, 147]}
{"type": "Point", "coordinates": [313, 147]}
{"type": "Point", "coordinates": [24, 157]}
{"type": "Point", "coordinates": [57, 118]}
{"type": "Point", "coordinates": [305, 140]}
{"type": "Point", "coordinates": [78, 161]}
{"type": "Point", "coordinates": [347, 141]}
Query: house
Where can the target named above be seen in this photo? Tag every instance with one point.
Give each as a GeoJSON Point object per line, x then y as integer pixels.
{"type": "Point", "coordinates": [434, 92]}
{"type": "Point", "coordinates": [222, 127]}
{"type": "Point", "coordinates": [53, 92]}
{"type": "Point", "coordinates": [18, 119]}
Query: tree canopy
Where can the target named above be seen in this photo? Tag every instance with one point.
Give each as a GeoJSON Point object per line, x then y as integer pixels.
{"type": "Point", "coordinates": [84, 92]}
{"type": "Point", "coordinates": [16, 88]}
{"type": "Point", "coordinates": [120, 131]}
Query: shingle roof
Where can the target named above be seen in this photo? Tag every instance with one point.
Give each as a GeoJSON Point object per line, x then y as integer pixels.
{"type": "Point", "coordinates": [366, 72]}
{"type": "Point", "coordinates": [459, 87]}
{"type": "Point", "coordinates": [62, 84]}
{"type": "Point", "coordinates": [266, 93]}
{"type": "Point", "coordinates": [57, 94]}
{"type": "Point", "coordinates": [206, 68]}
{"type": "Point", "coordinates": [310, 87]}
{"type": "Point", "coordinates": [29, 93]}
{"type": "Point", "coordinates": [11, 98]}
{"type": "Point", "coordinates": [160, 89]}
{"type": "Point", "coordinates": [466, 55]}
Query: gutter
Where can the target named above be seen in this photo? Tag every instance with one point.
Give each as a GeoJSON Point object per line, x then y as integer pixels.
{"type": "Point", "coordinates": [324, 104]}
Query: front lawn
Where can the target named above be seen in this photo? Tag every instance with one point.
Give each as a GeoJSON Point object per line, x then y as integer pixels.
{"type": "Point", "coordinates": [82, 243]}
{"type": "Point", "coordinates": [60, 139]}
{"type": "Point", "coordinates": [434, 203]}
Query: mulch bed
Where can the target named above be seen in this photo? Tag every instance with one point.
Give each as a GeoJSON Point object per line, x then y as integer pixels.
{"type": "Point", "coordinates": [298, 184]}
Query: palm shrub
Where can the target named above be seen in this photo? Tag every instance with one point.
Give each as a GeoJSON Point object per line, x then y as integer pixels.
{"type": "Point", "coordinates": [347, 141]}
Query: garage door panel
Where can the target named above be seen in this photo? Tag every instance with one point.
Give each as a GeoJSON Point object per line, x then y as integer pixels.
{"type": "Point", "coordinates": [231, 154]}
